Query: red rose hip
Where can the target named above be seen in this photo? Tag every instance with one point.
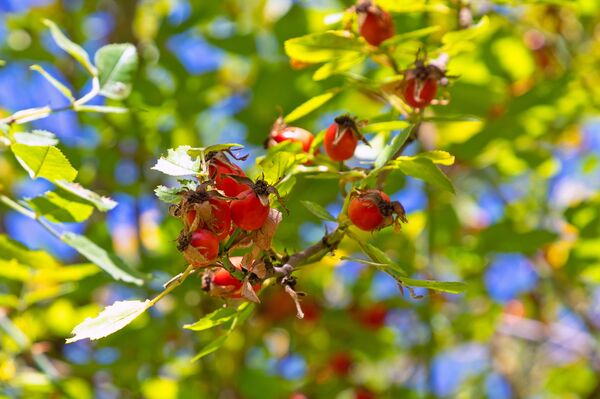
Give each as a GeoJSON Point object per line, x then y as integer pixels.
{"type": "Point", "coordinates": [419, 93]}
{"type": "Point", "coordinates": [374, 24]}
{"type": "Point", "coordinates": [372, 210]}
{"type": "Point", "coordinates": [341, 138]}
{"type": "Point", "coordinates": [206, 243]}
{"type": "Point", "coordinates": [248, 212]}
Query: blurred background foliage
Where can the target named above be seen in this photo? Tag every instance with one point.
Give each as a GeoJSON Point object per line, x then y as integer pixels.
{"type": "Point", "coordinates": [523, 229]}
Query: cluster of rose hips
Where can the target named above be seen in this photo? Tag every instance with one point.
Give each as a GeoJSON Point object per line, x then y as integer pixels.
{"type": "Point", "coordinates": [369, 210]}
{"type": "Point", "coordinates": [420, 83]}
{"type": "Point", "coordinates": [211, 213]}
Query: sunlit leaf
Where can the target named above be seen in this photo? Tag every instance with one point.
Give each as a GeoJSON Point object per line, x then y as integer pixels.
{"type": "Point", "coordinates": [452, 287]}
{"type": "Point", "coordinates": [47, 162]}
{"type": "Point", "coordinates": [110, 320]}
{"type": "Point", "coordinates": [385, 126]}
{"type": "Point", "coordinates": [423, 168]}
{"type": "Point", "coordinates": [116, 65]}
{"type": "Point", "coordinates": [318, 210]}
{"type": "Point", "coordinates": [178, 163]}
{"type": "Point", "coordinates": [323, 46]}
{"type": "Point", "coordinates": [108, 262]}
{"type": "Point", "coordinates": [170, 195]}
{"type": "Point", "coordinates": [61, 207]}
{"type": "Point", "coordinates": [338, 65]}
{"type": "Point", "coordinates": [101, 203]}
{"type": "Point", "coordinates": [216, 318]}
{"type": "Point", "coordinates": [393, 148]}
{"type": "Point", "coordinates": [213, 148]}
{"type": "Point", "coordinates": [41, 138]}
{"type": "Point", "coordinates": [75, 50]}
{"type": "Point", "coordinates": [310, 105]}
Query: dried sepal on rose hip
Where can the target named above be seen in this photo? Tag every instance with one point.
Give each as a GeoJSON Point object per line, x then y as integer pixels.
{"type": "Point", "coordinates": [341, 138]}
{"type": "Point", "coordinates": [223, 171]}
{"type": "Point", "coordinates": [221, 283]}
{"type": "Point", "coordinates": [371, 210]}
{"type": "Point", "coordinates": [420, 84]}
{"type": "Point", "coordinates": [375, 25]}
{"type": "Point", "coordinates": [200, 248]}
{"type": "Point", "coordinates": [205, 208]}
{"type": "Point", "coordinates": [281, 132]}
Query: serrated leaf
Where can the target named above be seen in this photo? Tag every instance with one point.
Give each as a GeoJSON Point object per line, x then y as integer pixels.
{"type": "Point", "coordinates": [64, 90]}
{"type": "Point", "coordinates": [390, 150]}
{"type": "Point", "coordinates": [61, 207]}
{"type": "Point", "coordinates": [178, 163]}
{"type": "Point", "coordinates": [214, 319]}
{"type": "Point", "coordinates": [44, 161]}
{"type": "Point", "coordinates": [110, 320]}
{"type": "Point", "coordinates": [198, 151]}
{"type": "Point", "coordinates": [278, 164]}
{"type": "Point", "coordinates": [40, 138]}
{"type": "Point", "coordinates": [338, 65]}
{"type": "Point", "coordinates": [452, 287]}
{"type": "Point", "coordinates": [116, 65]}
{"type": "Point", "coordinates": [75, 50]}
{"type": "Point", "coordinates": [103, 204]}
{"type": "Point", "coordinates": [108, 262]}
{"type": "Point", "coordinates": [422, 168]}
{"type": "Point", "coordinates": [170, 195]}
{"type": "Point", "coordinates": [323, 46]}
{"type": "Point", "coordinates": [318, 210]}
{"type": "Point", "coordinates": [310, 105]}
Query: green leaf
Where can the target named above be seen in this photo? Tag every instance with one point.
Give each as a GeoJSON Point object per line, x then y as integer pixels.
{"type": "Point", "coordinates": [422, 168]}
{"type": "Point", "coordinates": [116, 65]}
{"type": "Point", "coordinates": [213, 346]}
{"type": "Point", "coordinates": [323, 46]}
{"type": "Point", "coordinates": [61, 207]}
{"type": "Point", "coordinates": [385, 126]}
{"type": "Point", "coordinates": [40, 138]}
{"type": "Point", "coordinates": [64, 90]}
{"type": "Point", "coordinates": [338, 65]}
{"type": "Point", "coordinates": [457, 41]}
{"type": "Point", "coordinates": [452, 287]}
{"type": "Point", "coordinates": [311, 105]}
{"type": "Point", "coordinates": [438, 157]}
{"type": "Point", "coordinates": [170, 195]}
{"type": "Point", "coordinates": [318, 210]}
{"type": "Point", "coordinates": [110, 320]}
{"type": "Point", "coordinates": [13, 270]}
{"type": "Point", "coordinates": [103, 204]}
{"type": "Point", "coordinates": [13, 250]}
{"type": "Point", "coordinates": [198, 151]}
{"type": "Point", "coordinates": [8, 300]}
{"type": "Point", "coordinates": [75, 50]}
{"type": "Point", "coordinates": [216, 318]}
{"type": "Point", "coordinates": [45, 161]}
{"type": "Point", "coordinates": [390, 150]}
{"type": "Point", "coordinates": [415, 34]}
{"type": "Point", "coordinates": [178, 163]}
{"type": "Point", "coordinates": [278, 164]}
{"type": "Point", "coordinates": [110, 263]}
